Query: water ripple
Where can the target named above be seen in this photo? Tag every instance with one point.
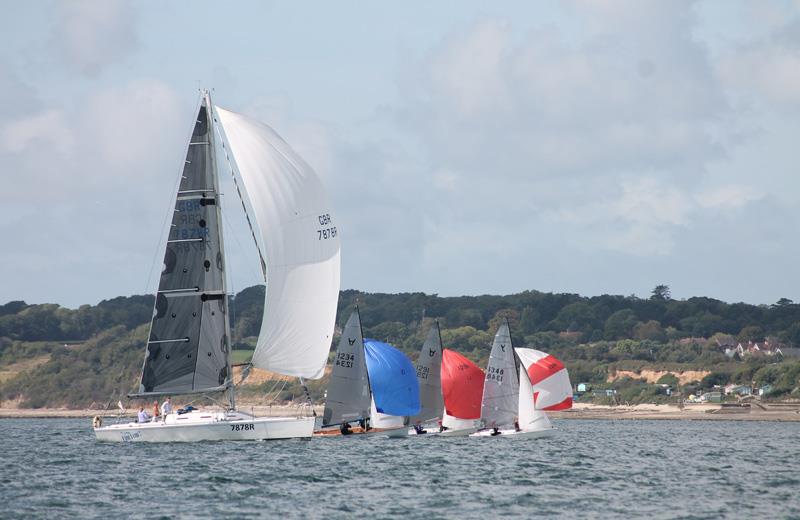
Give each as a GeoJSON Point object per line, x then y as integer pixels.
{"type": "Point", "coordinates": [595, 469]}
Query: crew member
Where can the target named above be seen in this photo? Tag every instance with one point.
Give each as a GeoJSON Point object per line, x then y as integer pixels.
{"type": "Point", "coordinates": [166, 407]}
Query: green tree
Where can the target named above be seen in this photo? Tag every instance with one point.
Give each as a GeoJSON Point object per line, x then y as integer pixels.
{"type": "Point", "coordinates": [620, 324]}
{"type": "Point", "coordinates": [750, 333]}
{"type": "Point", "coordinates": [651, 330]}
{"type": "Point", "coordinates": [661, 293]}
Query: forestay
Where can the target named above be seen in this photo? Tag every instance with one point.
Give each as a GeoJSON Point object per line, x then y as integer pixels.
{"type": "Point", "coordinates": [392, 379]}
{"type": "Point", "coordinates": [187, 350]}
{"type": "Point", "coordinates": [462, 386]}
{"type": "Point", "coordinates": [501, 386]}
{"type": "Point", "coordinates": [549, 377]}
{"type": "Point", "coordinates": [300, 240]}
{"type": "Point", "coordinates": [428, 371]}
{"type": "Point", "coordinates": [348, 397]}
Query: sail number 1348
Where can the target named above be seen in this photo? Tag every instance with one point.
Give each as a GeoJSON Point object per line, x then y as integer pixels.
{"type": "Point", "coordinates": [326, 232]}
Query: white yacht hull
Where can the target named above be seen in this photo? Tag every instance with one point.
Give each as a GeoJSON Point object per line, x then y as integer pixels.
{"type": "Point", "coordinates": [204, 426]}
{"type": "Point", "coordinates": [511, 433]}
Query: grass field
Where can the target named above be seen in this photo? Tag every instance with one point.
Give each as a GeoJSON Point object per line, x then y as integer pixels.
{"type": "Point", "coordinates": [240, 356]}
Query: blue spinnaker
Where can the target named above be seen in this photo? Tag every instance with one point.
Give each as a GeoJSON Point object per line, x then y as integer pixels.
{"type": "Point", "coordinates": [392, 378]}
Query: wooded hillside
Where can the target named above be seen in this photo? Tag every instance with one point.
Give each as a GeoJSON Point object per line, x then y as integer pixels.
{"type": "Point", "coordinates": [51, 356]}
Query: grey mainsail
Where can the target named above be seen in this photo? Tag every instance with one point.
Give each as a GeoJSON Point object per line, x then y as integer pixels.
{"type": "Point", "coordinates": [187, 350]}
{"type": "Point", "coordinates": [501, 386]}
{"type": "Point", "coordinates": [429, 366]}
{"type": "Point", "coordinates": [348, 397]}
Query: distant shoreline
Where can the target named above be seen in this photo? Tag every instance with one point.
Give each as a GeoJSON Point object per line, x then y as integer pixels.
{"type": "Point", "coordinates": [692, 412]}
{"type": "Point", "coordinates": [581, 411]}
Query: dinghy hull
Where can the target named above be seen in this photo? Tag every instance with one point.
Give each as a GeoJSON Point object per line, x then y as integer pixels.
{"type": "Point", "coordinates": [513, 434]}
{"type": "Point", "coordinates": [357, 431]}
{"type": "Point", "coordinates": [209, 427]}
{"type": "Point", "coordinates": [446, 433]}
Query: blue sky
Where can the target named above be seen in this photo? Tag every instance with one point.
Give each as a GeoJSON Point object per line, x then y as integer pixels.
{"type": "Point", "coordinates": [589, 146]}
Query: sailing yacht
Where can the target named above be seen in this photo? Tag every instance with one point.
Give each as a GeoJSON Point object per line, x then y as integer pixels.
{"type": "Point", "coordinates": [188, 348]}
{"type": "Point", "coordinates": [372, 384]}
{"type": "Point", "coordinates": [508, 407]}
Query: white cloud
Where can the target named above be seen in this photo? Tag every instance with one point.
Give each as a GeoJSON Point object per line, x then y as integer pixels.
{"type": "Point", "coordinates": [726, 198]}
{"type": "Point", "coordinates": [93, 34]}
{"type": "Point", "coordinates": [41, 131]}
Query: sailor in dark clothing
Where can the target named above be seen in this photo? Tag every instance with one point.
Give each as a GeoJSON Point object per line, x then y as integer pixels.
{"type": "Point", "coordinates": [419, 429]}
{"type": "Point", "coordinates": [345, 429]}
{"type": "Point", "coordinates": [495, 431]}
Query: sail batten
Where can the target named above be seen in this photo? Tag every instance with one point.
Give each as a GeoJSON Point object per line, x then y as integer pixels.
{"type": "Point", "coordinates": [301, 246]}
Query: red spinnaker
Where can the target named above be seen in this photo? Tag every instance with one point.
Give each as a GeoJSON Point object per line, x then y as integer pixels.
{"type": "Point", "coordinates": [462, 386]}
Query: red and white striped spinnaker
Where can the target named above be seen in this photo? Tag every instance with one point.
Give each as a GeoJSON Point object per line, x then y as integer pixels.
{"type": "Point", "coordinates": [552, 389]}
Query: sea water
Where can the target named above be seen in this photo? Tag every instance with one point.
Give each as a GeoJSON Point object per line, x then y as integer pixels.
{"type": "Point", "coordinates": [54, 468]}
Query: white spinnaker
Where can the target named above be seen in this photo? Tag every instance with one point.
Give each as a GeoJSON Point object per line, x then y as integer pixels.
{"type": "Point", "coordinates": [554, 389]}
{"type": "Point", "coordinates": [301, 245]}
{"type": "Point", "coordinates": [384, 421]}
{"type": "Point", "coordinates": [530, 418]}
{"type": "Point", "coordinates": [455, 424]}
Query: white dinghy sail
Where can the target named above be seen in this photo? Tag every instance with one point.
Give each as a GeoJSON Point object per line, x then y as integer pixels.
{"type": "Point", "coordinates": [530, 419]}
{"type": "Point", "coordinates": [501, 386]}
{"type": "Point", "coordinates": [188, 346]}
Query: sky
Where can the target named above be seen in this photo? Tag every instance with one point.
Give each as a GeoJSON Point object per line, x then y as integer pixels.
{"type": "Point", "coordinates": [581, 146]}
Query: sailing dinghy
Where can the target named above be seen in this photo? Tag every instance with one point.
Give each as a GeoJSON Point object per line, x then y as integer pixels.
{"type": "Point", "coordinates": [450, 386]}
{"type": "Point", "coordinates": [507, 408]}
{"type": "Point", "coordinates": [428, 371]}
{"type": "Point", "coordinates": [372, 384]}
{"type": "Point", "coordinates": [188, 346]}
{"type": "Point", "coordinates": [462, 389]}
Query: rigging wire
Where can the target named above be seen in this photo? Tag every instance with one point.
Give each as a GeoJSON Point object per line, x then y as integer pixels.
{"type": "Point", "coordinates": [241, 197]}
